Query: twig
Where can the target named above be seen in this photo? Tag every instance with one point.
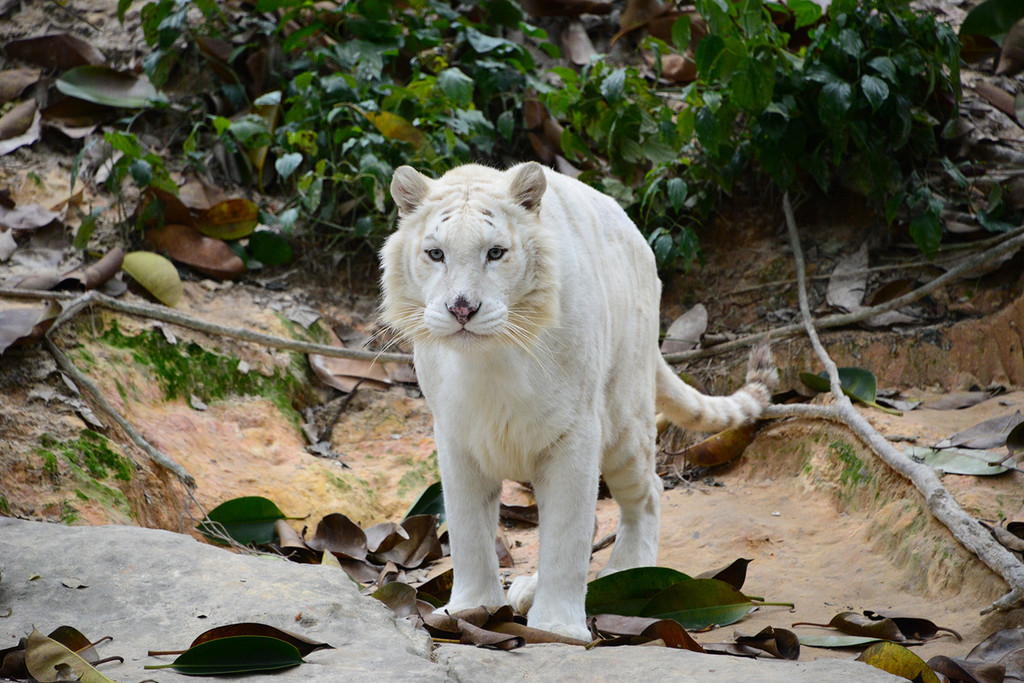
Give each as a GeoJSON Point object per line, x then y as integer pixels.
{"type": "Point", "coordinates": [325, 435]}
{"type": "Point", "coordinates": [94, 298]}
{"type": "Point", "coordinates": [1013, 241]}
{"type": "Point", "coordinates": [80, 379]}
{"type": "Point", "coordinates": [603, 543]}
{"type": "Point", "coordinates": [940, 502]}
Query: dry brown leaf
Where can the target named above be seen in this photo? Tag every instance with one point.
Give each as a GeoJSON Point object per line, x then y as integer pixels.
{"type": "Point", "coordinates": [23, 325]}
{"type": "Point", "coordinates": [76, 118]}
{"type": "Point", "coordinates": [997, 97]}
{"type": "Point", "coordinates": [185, 244]}
{"type": "Point", "coordinates": [685, 331]}
{"type": "Point", "coordinates": [577, 43]}
{"type": "Point", "coordinates": [198, 196]}
{"type": "Point", "coordinates": [20, 126]}
{"type": "Point", "coordinates": [501, 547]}
{"type": "Point", "coordinates": [27, 217]}
{"type": "Point", "coordinates": [344, 373]}
{"type": "Point", "coordinates": [14, 81]}
{"type": "Point", "coordinates": [341, 536]}
{"type": "Point", "coordinates": [714, 450]}
{"type": "Point", "coordinates": [55, 51]}
{"type": "Point", "coordinates": [1011, 57]}
{"type": "Point", "coordinates": [94, 275]}
{"type": "Point", "coordinates": [622, 630]}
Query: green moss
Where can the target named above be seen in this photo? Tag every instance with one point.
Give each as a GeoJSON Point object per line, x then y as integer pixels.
{"type": "Point", "coordinates": [49, 461]}
{"type": "Point", "coordinates": [855, 472]}
{"type": "Point", "coordinates": [186, 369]}
{"type": "Point", "coordinates": [68, 513]}
{"type": "Point", "coordinates": [5, 506]}
{"type": "Point", "coordinates": [418, 475]}
{"type": "Point", "coordinates": [92, 451]}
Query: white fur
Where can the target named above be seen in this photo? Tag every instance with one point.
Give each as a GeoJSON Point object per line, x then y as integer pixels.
{"type": "Point", "coordinates": [553, 379]}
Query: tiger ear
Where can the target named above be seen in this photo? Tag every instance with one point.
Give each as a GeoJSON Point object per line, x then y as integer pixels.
{"type": "Point", "coordinates": [408, 188]}
{"type": "Point", "coordinates": [528, 186]}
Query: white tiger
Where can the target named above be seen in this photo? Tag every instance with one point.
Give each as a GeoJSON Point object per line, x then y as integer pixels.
{"type": "Point", "coordinates": [533, 305]}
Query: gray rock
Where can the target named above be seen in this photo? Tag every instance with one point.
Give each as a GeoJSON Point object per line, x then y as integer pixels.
{"type": "Point", "coordinates": [156, 590]}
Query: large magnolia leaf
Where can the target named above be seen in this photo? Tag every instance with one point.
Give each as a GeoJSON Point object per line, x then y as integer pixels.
{"type": "Point", "coordinates": [250, 519]}
{"type": "Point", "coordinates": [699, 603]}
{"type": "Point", "coordinates": [103, 85]}
{"type": "Point", "coordinates": [621, 630]}
{"type": "Point", "coordinates": [54, 51]}
{"type": "Point", "coordinates": [857, 383]}
{"type": "Point", "coordinates": [185, 244]}
{"type": "Point", "coordinates": [957, 460]}
{"type": "Point", "coordinates": [235, 655]}
{"type": "Point", "coordinates": [339, 535]}
{"type": "Point", "coordinates": [988, 434]}
{"type": "Point", "coordinates": [156, 274]}
{"type": "Point", "coordinates": [430, 502]}
{"type": "Point", "coordinates": [834, 641]}
{"type": "Point", "coordinates": [47, 660]}
{"type": "Point", "coordinates": [899, 661]}
{"type": "Point", "coordinates": [229, 220]}
{"type": "Point", "coordinates": [627, 592]}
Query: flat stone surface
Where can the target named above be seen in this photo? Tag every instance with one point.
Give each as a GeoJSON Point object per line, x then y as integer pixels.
{"type": "Point", "coordinates": [157, 590]}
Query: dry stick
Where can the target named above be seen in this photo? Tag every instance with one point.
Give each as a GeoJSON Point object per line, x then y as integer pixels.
{"type": "Point", "coordinates": [69, 368]}
{"type": "Point", "coordinates": [94, 298]}
{"type": "Point", "coordinates": [1014, 241]}
{"type": "Point", "coordinates": [940, 502]}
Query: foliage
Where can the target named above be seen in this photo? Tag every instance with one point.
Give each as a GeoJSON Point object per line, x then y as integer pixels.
{"type": "Point", "coordinates": [365, 86]}
{"type": "Point", "coordinates": [858, 96]}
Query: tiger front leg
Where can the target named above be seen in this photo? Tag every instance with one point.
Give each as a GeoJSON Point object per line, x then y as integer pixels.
{"type": "Point", "coordinates": [471, 507]}
{"type": "Point", "coordinates": [566, 492]}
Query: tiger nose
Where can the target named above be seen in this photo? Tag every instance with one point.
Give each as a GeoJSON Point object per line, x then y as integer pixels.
{"type": "Point", "coordinates": [462, 310]}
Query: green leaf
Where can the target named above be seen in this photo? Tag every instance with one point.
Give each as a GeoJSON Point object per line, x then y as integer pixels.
{"type": "Point", "coordinates": [246, 520]}
{"type": "Point", "coordinates": [613, 85]}
{"type": "Point", "coordinates": [857, 383]}
{"type": "Point", "coordinates": [270, 248]}
{"type": "Point", "coordinates": [899, 661]}
{"type": "Point", "coordinates": [268, 99]}
{"type": "Point", "coordinates": [681, 32]}
{"type": "Point", "coordinates": [699, 603]}
{"type": "Point", "coordinates": [430, 502]}
{"type": "Point", "coordinates": [957, 460]}
{"type": "Point", "coordinates": [287, 163]}
{"type": "Point", "coordinates": [837, 641]}
{"type": "Point", "coordinates": [805, 12]}
{"type": "Point", "coordinates": [627, 592]}
{"type": "Point", "coordinates": [992, 18]}
{"type": "Point", "coordinates": [834, 101]}
{"type": "Point", "coordinates": [103, 85]}
{"type": "Point", "coordinates": [142, 172]}
{"type": "Point", "coordinates": [235, 655]}
{"type": "Point", "coordinates": [122, 9]}
{"type": "Point", "coordinates": [884, 66]}
{"type": "Point", "coordinates": [456, 85]}
{"type": "Point", "coordinates": [677, 191]}
{"type": "Point", "coordinates": [875, 90]}
{"type": "Point", "coordinates": [926, 231]}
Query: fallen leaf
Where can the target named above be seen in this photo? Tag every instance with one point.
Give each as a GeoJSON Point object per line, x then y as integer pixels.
{"type": "Point", "coordinates": [848, 281]}
{"type": "Point", "coordinates": [249, 519]}
{"type": "Point", "coordinates": [685, 331]}
{"type": "Point", "coordinates": [1006, 538]}
{"type": "Point", "coordinates": [27, 217]}
{"type": "Point", "coordinates": [1004, 647]}
{"type": "Point", "coordinates": [18, 120]}
{"type": "Point", "coordinates": [439, 588]}
{"type": "Point", "coordinates": [301, 643]}
{"type": "Point", "coordinates": [527, 514]}
{"type": "Point", "coordinates": [857, 624]}
{"type": "Point", "coordinates": [967, 671]}
{"type": "Point", "coordinates": [997, 97]}
{"type": "Point", "coordinates": [31, 134]}
{"type": "Point", "coordinates": [106, 86]}
{"type": "Point", "coordinates": [991, 433]}
{"type": "Point", "coordinates": [401, 598]}
{"type": "Point", "coordinates": [14, 81]}
{"type": "Point", "coordinates": [54, 51]}
{"type": "Point", "coordinates": [235, 655]}
{"type": "Point", "coordinates": [429, 502]}
{"type": "Point", "coordinates": [857, 383]}
{"type": "Point", "coordinates": [158, 207]}
{"type": "Point", "coordinates": [344, 373]}
{"type": "Point", "coordinates": [912, 628]}
{"type": "Point", "coordinates": [504, 552]}
{"type": "Point", "coordinates": [421, 547]}
{"type": "Point", "coordinates": [577, 43]}
{"type": "Point", "coordinates": [899, 661]}
{"type": "Point", "coordinates": [292, 546]}
{"type": "Point", "coordinates": [23, 325]}
{"type": "Point", "coordinates": [629, 591]}
{"type": "Point", "coordinates": [837, 641]}
{"type": "Point", "coordinates": [715, 450]}
{"type": "Point", "coordinates": [47, 660]}
{"type": "Point", "coordinates": [229, 220]}
{"type": "Point", "coordinates": [778, 642]}
{"type": "Point", "coordinates": [341, 536]}
{"type": "Point", "coordinates": [699, 603]}
{"type": "Point", "coordinates": [384, 536]}
{"type": "Point", "coordinates": [187, 245]}
{"type": "Point", "coordinates": [735, 574]}
{"type": "Point", "coordinates": [156, 275]}
{"type": "Point", "coordinates": [639, 630]}
{"type": "Point", "coordinates": [1011, 56]}
{"type": "Point", "coordinates": [270, 248]}
{"type": "Point", "coordinates": [95, 274]}
{"type": "Point", "coordinates": [958, 401]}
{"type": "Point", "coordinates": [197, 195]}
{"type": "Point", "coordinates": [957, 460]}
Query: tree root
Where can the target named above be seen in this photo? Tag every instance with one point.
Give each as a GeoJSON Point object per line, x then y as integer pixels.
{"type": "Point", "coordinates": [940, 502]}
